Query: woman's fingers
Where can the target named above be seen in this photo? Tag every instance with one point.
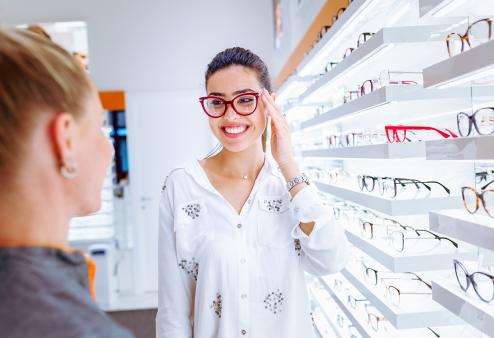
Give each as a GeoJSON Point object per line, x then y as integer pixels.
{"type": "Point", "coordinates": [274, 111]}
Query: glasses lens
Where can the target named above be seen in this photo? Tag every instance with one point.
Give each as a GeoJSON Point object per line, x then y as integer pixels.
{"type": "Point", "coordinates": [214, 106]}
{"type": "Point", "coordinates": [369, 183]}
{"type": "Point", "coordinates": [461, 276]}
{"type": "Point", "coordinates": [245, 104]}
{"type": "Point", "coordinates": [455, 44]}
{"type": "Point", "coordinates": [367, 87]}
{"type": "Point", "coordinates": [367, 229]}
{"type": "Point", "coordinates": [463, 124]}
{"type": "Point", "coordinates": [479, 33]}
{"type": "Point", "coordinates": [489, 202]}
{"type": "Point", "coordinates": [362, 38]}
{"type": "Point", "coordinates": [352, 301]}
{"type": "Point", "coordinates": [469, 199]}
{"type": "Point", "coordinates": [348, 52]}
{"type": "Point", "coordinates": [373, 321]}
{"type": "Point", "coordinates": [387, 187]}
{"type": "Point", "coordinates": [484, 286]}
{"type": "Point", "coordinates": [394, 295]}
{"type": "Point", "coordinates": [484, 118]}
{"type": "Point", "coordinates": [397, 240]}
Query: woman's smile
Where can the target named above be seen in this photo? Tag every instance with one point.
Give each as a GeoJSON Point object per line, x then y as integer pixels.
{"type": "Point", "coordinates": [234, 131]}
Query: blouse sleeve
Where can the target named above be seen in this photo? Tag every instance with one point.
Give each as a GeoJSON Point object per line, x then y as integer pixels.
{"type": "Point", "coordinates": [326, 249]}
{"type": "Point", "coordinates": [174, 317]}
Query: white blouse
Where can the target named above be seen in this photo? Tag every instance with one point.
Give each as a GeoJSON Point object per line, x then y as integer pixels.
{"type": "Point", "coordinates": [224, 274]}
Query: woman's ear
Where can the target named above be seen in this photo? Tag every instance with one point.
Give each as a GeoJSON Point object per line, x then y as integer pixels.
{"type": "Point", "coordinates": [63, 134]}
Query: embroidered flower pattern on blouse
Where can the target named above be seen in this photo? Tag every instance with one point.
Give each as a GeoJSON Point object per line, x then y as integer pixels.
{"type": "Point", "coordinates": [217, 305]}
{"type": "Point", "coordinates": [274, 302]}
{"type": "Point", "coordinates": [192, 210]}
{"type": "Point", "coordinates": [273, 204]}
{"type": "Point", "coordinates": [298, 247]}
{"type": "Point", "coordinates": [190, 267]}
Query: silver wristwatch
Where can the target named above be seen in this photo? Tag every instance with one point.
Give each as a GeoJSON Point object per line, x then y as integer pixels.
{"type": "Point", "coordinates": [297, 180]}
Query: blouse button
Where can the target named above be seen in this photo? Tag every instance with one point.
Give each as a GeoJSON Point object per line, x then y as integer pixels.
{"type": "Point", "coordinates": [243, 260]}
{"type": "Point", "coordinates": [243, 296]}
{"type": "Point", "coordinates": [243, 332]}
{"type": "Point", "coordinates": [239, 225]}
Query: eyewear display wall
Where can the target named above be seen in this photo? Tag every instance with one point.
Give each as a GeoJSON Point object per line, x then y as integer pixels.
{"type": "Point", "coordinates": [377, 98]}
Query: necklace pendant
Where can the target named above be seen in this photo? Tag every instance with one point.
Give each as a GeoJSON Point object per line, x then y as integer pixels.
{"type": "Point", "coordinates": [245, 177]}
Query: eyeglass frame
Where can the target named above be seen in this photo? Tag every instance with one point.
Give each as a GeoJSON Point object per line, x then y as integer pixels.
{"type": "Point", "coordinates": [394, 130]}
{"type": "Point", "coordinates": [397, 180]}
{"type": "Point", "coordinates": [362, 91]}
{"type": "Point", "coordinates": [417, 232]}
{"type": "Point", "coordinates": [229, 102]}
{"type": "Point", "coordinates": [465, 36]}
{"type": "Point", "coordinates": [389, 287]}
{"type": "Point", "coordinates": [479, 198]}
{"type": "Point", "coordinates": [472, 121]}
{"type": "Point", "coordinates": [470, 281]}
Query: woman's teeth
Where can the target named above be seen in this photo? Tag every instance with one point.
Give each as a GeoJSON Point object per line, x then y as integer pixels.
{"type": "Point", "coordinates": [236, 130]}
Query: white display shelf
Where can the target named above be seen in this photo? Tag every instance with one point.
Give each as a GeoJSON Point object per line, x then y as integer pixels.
{"type": "Point", "coordinates": [475, 312]}
{"type": "Point", "coordinates": [392, 207]}
{"type": "Point", "coordinates": [390, 48]}
{"type": "Point", "coordinates": [314, 297]}
{"type": "Point", "coordinates": [455, 8]}
{"type": "Point", "coordinates": [373, 151]}
{"type": "Point", "coordinates": [467, 148]}
{"type": "Point", "coordinates": [416, 315]}
{"type": "Point", "coordinates": [465, 69]}
{"type": "Point", "coordinates": [474, 229]}
{"type": "Point", "coordinates": [395, 102]}
{"type": "Point", "coordinates": [292, 88]}
{"type": "Point", "coordinates": [438, 259]}
{"type": "Point", "coordinates": [361, 327]}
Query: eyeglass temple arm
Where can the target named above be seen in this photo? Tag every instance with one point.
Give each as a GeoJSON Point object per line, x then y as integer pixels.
{"type": "Point", "coordinates": [438, 237]}
{"type": "Point", "coordinates": [487, 185]}
{"type": "Point", "coordinates": [442, 185]}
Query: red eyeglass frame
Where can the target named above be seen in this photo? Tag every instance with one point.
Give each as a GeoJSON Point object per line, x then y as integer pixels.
{"type": "Point", "coordinates": [229, 102]}
{"type": "Point", "coordinates": [393, 130]}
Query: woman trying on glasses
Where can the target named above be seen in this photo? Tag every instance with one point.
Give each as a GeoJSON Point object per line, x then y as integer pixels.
{"type": "Point", "coordinates": [238, 229]}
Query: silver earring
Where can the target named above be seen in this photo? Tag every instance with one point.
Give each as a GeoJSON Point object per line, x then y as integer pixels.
{"type": "Point", "coordinates": [69, 169]}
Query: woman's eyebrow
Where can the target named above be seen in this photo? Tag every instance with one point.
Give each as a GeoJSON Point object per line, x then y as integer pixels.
{"type": "Point", "coordinates": [237, 92]}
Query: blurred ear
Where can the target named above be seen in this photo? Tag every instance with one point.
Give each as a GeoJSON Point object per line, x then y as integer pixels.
{"type": "Point", "coordinates": [63, 136]}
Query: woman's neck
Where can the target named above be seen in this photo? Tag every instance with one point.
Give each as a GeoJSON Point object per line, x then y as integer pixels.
{"type": "Point", "coordinates": [245, 164]}
{"type": "Point", "coordinates": [29, 217]}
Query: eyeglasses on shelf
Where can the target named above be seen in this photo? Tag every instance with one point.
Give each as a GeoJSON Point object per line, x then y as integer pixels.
{"type": "Point", "coordinates": [352, 301]}
{"type": "Point", "coordinates": [472, 199]}
{"type": "Point", "coordinates": [399, 133]}
{"type": "Point", "coordinates": [482, 121]}
{"type": "Point", "coordinates": [362, 39]}
{"type": "Point", "coordinates": [482, 282]}
{"type": "Point", "coordinates": [370, 85]}
{"type": "Point", "coordinates": [392, 186]}
{"type": "Point", "coordinates": [373, 276]}
{"type": "Point", "coordinates": [355, 139]}
{"type": "Point", "coordinates": [374, 318]}
{"type": "Point", "coordinates": [243, 104]}
{"type": "Point", "coordinates": [397, 239]}
{"type": "Point", "coordinates": [368, 228]}
{"type": "Point", "coordinates": [394, 293]}
{"type": "Point", "coordinates": [483, 175]}
{"type": "Point", "coordinates": [477, 33]}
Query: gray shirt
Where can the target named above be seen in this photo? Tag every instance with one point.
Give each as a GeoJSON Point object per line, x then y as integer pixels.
{"type": "Point", "coordinates": [44, 292]}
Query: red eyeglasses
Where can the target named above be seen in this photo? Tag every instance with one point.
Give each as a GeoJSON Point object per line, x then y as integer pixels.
{"type": "Point", "coordinates": [399, 133]}
{"type": "Point", "coordinates": [243, 104]}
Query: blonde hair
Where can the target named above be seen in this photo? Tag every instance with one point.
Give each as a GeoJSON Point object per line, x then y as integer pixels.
{"type": "Point", "coordinates": [37, 77]}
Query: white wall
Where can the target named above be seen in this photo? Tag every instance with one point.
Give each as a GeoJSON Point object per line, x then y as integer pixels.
{"type": "Point", "coordinates": [297, 19]}
{"type": "Point", "coordinates": [157, 51]}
